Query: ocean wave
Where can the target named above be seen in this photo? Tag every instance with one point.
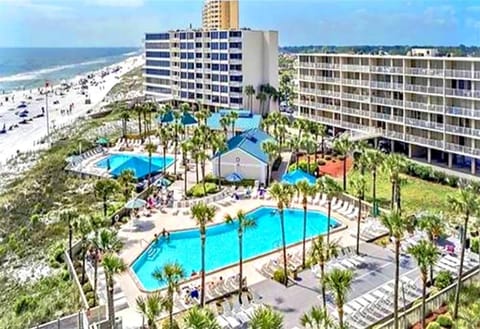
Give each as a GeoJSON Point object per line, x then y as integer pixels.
{"type": "Point", "coordinates": [132, 53]}
{"type": "Point", "coordinates": [38, 73]}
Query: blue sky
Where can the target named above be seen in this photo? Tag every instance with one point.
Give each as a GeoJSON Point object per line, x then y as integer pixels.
{"type": "Point", "coordinates": [299, 22]}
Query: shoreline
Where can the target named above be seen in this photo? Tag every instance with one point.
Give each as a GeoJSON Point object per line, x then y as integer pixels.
{"type": "Point", "coordinates": [65, 106]}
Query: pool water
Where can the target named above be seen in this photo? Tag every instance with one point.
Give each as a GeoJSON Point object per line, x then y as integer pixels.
{"type": "Point", "coordinates": [183, 247]}
{"type": "Point", "coordinates": [140, 167]}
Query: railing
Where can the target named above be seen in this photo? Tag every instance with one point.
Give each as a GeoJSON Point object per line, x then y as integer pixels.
{"type": "Point", "coordinates": [386, 69]}
{"type": "Point", "coordinates": [458, 73]}
{"type": "Point", "coordinates": [394, 134]}
{"type": "Point", "coordinates": [417, 88]}
{"type": "Point", "coordinates": [435, 90]}
{"type": "Point", "coordinates": [387, 101]}
{"type": "Point", "coordinates": [414, 314]}
{"type": "Point", "coordinates": [423, 140]}
{"type": "Point", "coordinates": [459, 92]}
{"type": "Point", "coordinates": [355, 68]}
{"type": "Point", "coordinates": [329, 93]}
{"type": "Point", "coordinates": [351, 110]}
{"type": "Point", "coordinates": [453, 110]}
{"type": "Point", "coordinates": [355, 82]}
{"type": "Point", "coordinates": [462, 130]}
{"type": "Point", "coordinates": [363, 98]}
{"type": "Point", "coordinates": [327, 79]}
{"type": "Point", "coordinates": [424, 123]}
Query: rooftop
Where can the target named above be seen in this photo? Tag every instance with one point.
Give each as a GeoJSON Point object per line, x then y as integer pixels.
{"type": "Point", "coordinates": [245, 121]}
{"type": "Point", "coordinates": [250, 142]}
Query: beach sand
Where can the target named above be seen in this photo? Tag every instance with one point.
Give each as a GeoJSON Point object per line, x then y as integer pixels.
{"type": "Point", "coordinates": [25, 137]}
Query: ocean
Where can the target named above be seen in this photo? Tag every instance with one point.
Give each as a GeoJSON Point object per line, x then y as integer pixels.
{"type": "Point", "coordinates": [31, 67]}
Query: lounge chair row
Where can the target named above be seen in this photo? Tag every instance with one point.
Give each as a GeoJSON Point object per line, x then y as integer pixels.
{"type": "Point", "coordinates": [273, 264]}
{"type": "Point", "coordinates": [236, 315]}
{"type": "Point", "coordinates": [451, 264]}
{"type": "Point", "coordinates": [218, 198]}
{"type": "Point", "coordinates": [345, 263]}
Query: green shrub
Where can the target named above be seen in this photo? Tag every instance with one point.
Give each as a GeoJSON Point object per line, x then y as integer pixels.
{"type": "Point", "coordinates": [166, 325]}
{"type": "Point", "coordinates": [303, 165]}
{"type": "Point", "coordinates": [279, 276]}
{"type": "Point", "coordinates": [56, 253]}
{"type": "Point", "coordinates": [89, 295]}
{"type": "Point", "coordinates": [87, 287]}
{"type": "Point", "coordinates": [445, 320]}
{"type": "Point", "coordinates": [433, 325]}
{"type": "Point", "coordinates": [476, 245]}
{"type": "Point", "coordinates": [452, 181]}
{"type": "Point", "coordinates": [24, 304]}
{"type": "Point", "coordinates": [198, 192]}
{"type": "Point", "coordinates": [443, 280]}
{"type": "Point", "coordinates": [65, 275]}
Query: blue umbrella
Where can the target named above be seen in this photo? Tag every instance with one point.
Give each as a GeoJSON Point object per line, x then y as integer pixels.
{"type": "Point", "coordinates": [135, 204]}
{"type": "Point", "coordinates": [234, 178]}
{"type": "Point", "coordinates": [163, 182]}
{"type": "Point", "coordinates": [297, 175]}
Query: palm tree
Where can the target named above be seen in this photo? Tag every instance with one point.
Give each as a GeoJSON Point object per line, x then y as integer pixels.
{"type": "Point", "coordinates": [306, 190]}
{"type": "Point", "coordinates": [200, 318]}
{"type": "Point", "coordinates": [343, 146]}
{"type": "Point", "coordinates": [321, 253]}
{"type": "Point", "coordinates": [244, 223]}
{"type": "Point", "coordinates": [300, 125]}
{"type": "Point", "coordinates": [266, 318]}
{"type": "Point", "coordinates": [124, 116]}
{"type": "Point", "coordinates": [250, 91]}
{"type": "Point", "coordinates": [69, 216]}
{"type": "Point", "coordinates": [331, 189]}
{"type": "Point", "coordinates": [397, 226]}
{"type": "Point", "coordinates": [309, 146]}
{"type": "Point", "coordinates": [322, 133]}
{"type": "Point", "coordinates": [295, 144]}
{"type": "Point", "coordinates": [394, 165]}
{"type": "Point", "coordinates": [262, 98]}
{"type": "Point", "coordinates": [202, 157]}
{"type": "Point", "coordinates": [139, 109]}
{"type": "Point", "coordinates": [358, 184]}
{"type": "Point", "coordinates": [339, 282]}
{"type": "Point", "coordinates": [374, 161]}
{"type": "Point", "coordinates": [112, 265]}
{"type": "Point", "coordinates": [186, 147]}
{"type": "Point", "coordinates": [171, 274]}
{"type": "Point", "coordinates": [465, 201]}
{"type": "Point", "coordinates": [84, 226]}
{"type": "Point", "coordinates": [150, 148]}
{"type": "Point", "coordinates": [233, 117]}
{"type": "Point", "coordinates": [219, 145]}
{"type": "Point", "coordinates": [126, 180]}
{"type": "Point", "coordinates": [177, 130]}
{"type": "Point", "coordinates": [203, 214]}
{"type": "Point", "coordinates": [150, 307]}
{"type": "Point", "coordinates": [434, 224]}
{"type": "Point", "coordinates": [282, 194]}
{"type": "Point", "coordinates": [104, 188]}
{"type": "Point", "coordinates": [225, 122]}
{"type": "Point", "coordinates": [271, 149]}
{"type": "Point", "coordinates": [426, 256]}
{"type": "Point", "coordinates": [316, 318]}
{"type": "Point", "coordinates": [165, 135]}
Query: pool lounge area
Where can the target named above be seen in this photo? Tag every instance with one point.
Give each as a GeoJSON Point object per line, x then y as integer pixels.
{"type": "Point", "coordinates": [183, 246]}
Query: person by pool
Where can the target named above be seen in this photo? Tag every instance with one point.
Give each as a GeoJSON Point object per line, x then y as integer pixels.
{"type": "Point", "coordinates": [193, 273]}
{"type": "Point", "coordinates": [165, 233]}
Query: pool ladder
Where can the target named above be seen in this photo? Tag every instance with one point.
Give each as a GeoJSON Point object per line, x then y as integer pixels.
{"type": "Point", "coordinates": [152, 252]}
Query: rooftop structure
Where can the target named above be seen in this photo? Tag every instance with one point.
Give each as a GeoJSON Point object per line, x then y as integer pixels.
{"type": "Point", "coordinates": [220, 15]}
{"type": "Point", "coordinates": [426, 106]}
{"type": "Point", "coordinates": [211, 68]}
{"type": "Point", "coordinates": [245, 121]}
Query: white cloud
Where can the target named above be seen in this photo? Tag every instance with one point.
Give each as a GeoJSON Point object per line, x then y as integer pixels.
{"type": "Point", "coordinates": [116, 3]}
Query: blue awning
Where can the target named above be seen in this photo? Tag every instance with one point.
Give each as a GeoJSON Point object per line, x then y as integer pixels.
{"type": "Point", "coordinates": [297, 175]}
{"type": "Point", "coordinates": [186, 118]}
{"type": "Point", "coordinates": [234, 178]}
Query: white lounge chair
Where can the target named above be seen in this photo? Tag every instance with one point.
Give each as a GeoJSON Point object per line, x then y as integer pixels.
{"type": "Point", "coordinates": [337, 205]}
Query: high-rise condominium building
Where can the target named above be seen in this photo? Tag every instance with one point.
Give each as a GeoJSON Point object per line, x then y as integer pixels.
{"type": "Point", "coordinates": [426, 106]}
{"type": "Point", "coordinates": [211, 68]}
{"type": "Point", "coordinates": [220, 15]}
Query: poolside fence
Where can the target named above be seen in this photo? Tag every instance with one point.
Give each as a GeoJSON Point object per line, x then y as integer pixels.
{"type": "Point", "coordinates": [414, 314]}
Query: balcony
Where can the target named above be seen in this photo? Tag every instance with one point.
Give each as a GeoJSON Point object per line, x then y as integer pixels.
{"type": "Point", "coordinates": [386, 69]}
{"type": "Point", "coordinates": [387, 101]}
{"type": "Point", "coordinates": [327, 66]}
{"type": "Point", "coordinates": [327, 79]}
{"type": "Point", "coordinates": [328, 93]}
{"type": "Point", "coordinates": [355, 97]}
{"type": "Point", "coordinates": [462, 130]}
{"type": "Point", "coordinates": [383, 85]}
{"type": "Point", "coordinates": [424, 123]}
{"type": "Point", "coordinates": [424, 141]}
{"type": "Point", "coordinates": [355, 82]}
{"type": "Point", "coordinates": [394, 134]}
{"type": "Point", "coordinates": [307, 91]}
{"type": "Point", "coordinates": [459, 92]}
{"type": "Point", "coordinates": [459, 148]}
{"type": "Point", "coordinates": [382, 116]}
{"type": "Point", "coordinates": [458, 73]}
{"type": "Point", "coordinates": [424, 107]}
{"type": "Point", "coordinates": [355, 68]}
{"type": "Point", "coordinates": [416, 71]}
{"type": "Point", "coordinates": [460, 111]}
{"type": "Point", "coordinates": [435, 90]}
{"type": "Point", "coordinates": [354, 111]}
{"type": "Point", "coordinates": [416, 88]}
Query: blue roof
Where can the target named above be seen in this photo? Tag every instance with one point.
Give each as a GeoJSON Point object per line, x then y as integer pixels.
{"type": "Point", "coordinates": [250, 141]}
{"type": "Point", "coordinates": [297, 175]}
{"type": "Point", "coordinates": [245, 121]}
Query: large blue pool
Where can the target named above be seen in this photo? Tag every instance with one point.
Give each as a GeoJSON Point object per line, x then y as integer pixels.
{"type": "Point", "coordinates": [222, 243]}
{"type": "Point", "coordinates": [116, 163]}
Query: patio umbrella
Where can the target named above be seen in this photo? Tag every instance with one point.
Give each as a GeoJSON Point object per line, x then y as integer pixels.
{"type": "Point", "coordinates": [102, 141]}
{"type": "Point", "coordinates": [297, 175]}
{"type": "Point", "coordinates": [135, 204]}
{"type": "Point", "coordinates": [234, 178]}
{"type": "Point", "coordinates": [163, 182]}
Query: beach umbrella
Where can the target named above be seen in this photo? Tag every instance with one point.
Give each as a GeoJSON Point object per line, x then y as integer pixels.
{"type": "Point", "coordinates": [102, 141]}
{"type": "Point", "coordinates": [297, 175]}
{"type": "Point", "coordinates": [22, 106]}
{"type": "Point", "coordinates": [163, 182]}
{"type": "Point", "coordinates": [234, 178]}
{"type": "Point", "coordinates": [135, 204]}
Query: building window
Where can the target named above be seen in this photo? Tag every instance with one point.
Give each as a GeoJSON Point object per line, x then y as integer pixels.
{"type": "Point", "coordinates": [235, 100]}
{"type": "Point", "coordinates": [183, 85]}
{"type": "Point", "coordinates": [224, 78]}
{"type": "Point", "coordinates": [183, 75]}
{"type": "Point", "coordinates": [157, 36]}
{"type": "Point", "coordinates": [190, 66]}
{"type": "Point", "coordinates": [199, 86]}
{"type": "Point", "coordinates": [183, 94]}
{"type": "Point", "coordinates": [214, 35]}
{"type": "Point", "coordinates": [236, 78]}
{"type": "Point", "coordinates": [224, 100]}
{"type": "Point", "coordinates": [190, 35]}
{"type": "Point", "coordinates": [198, 44]}
{"type": "Point", "coordinates": [158, 63]}
{"type": "Point", "coordinates": [183, 45]}
{"type": "Point", "coordinates": [236, 89]}
{"type": "Point", "coordinates": [158, 72]}
{"type": "Point", "coordinates": [215, 88]}
{"type": "Point", "coordinates": [183, 35]}
{"type": "Point", "coordinates": [224, 89]}
{"type": "Point", "coordinates": [191, 76]}
{"type": "Point", "coordinates": [223, 45]}
{"type": "Point", "coordinates": [224, 67]}
{"type": "Point", "coordinates": [235, 56]}
{"type": "Point", "coordinates": [190, 55]}
{"type": "Point", "coordinates": [159, 90]}
{"type": "Point", "coordinates": [223, 57]}
{"type": "Point", "coordinates": [198, 65]}
{"type": "Point", "coordinates": [215, 56]}
{"type": "Point", "coordinates": [215, 67]}
{"type": "Point", "coordinates": [236, 45]}
{"type": "Point", "coordinates": [191, 85]}
{"type": "Point", "coordinates": [215, 77]}
{"type": "Point", "coordinates": [183, 55]}
{"type": "Point", "coordinates": [199, 75]}
{"type": "Point", "coordinates": [198, 34]}
{"type": "Point", "coordinates": [198, 55]}
{"type": "Point", "coordinates": [223, 35]}
{"type": "Point", "coordinates": [159, 54]}
{"type": "Point", "coordinates": [235, 34]}
{"type": "Point", "coordinates": [236, 67]}
{"type": "Point", "coordinates": [183, 65]}
{"type": "Point", "coordinates": [214, 45]}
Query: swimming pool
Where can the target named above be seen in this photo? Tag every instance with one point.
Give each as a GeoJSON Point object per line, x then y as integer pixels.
{"type": "Point", "coordinates": [116, 163]}
{"type": "Point", "coordinates": [222, 243]}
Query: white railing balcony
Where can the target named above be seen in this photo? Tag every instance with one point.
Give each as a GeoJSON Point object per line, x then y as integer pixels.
{"type": "Point", "coordinates": [306, 77]}
{"type": "Point", "coordinates": [476, 74]}
{"type": "Point", "coordinates": [362, 98]}
{"type": "Point", "coordinates": [307, 90]}
{"type": "Point", "coordinates": [453, 110]}
{"type": "Point", "coordinates": [417, 70]}
{"type": "Point", "coordinates": [327, 66]}
{"type": "Point", "coordinates": [462, 130]}
{"type": "Point", "coordinates": [351, 110]}
{"type": "Point", "coordinates": [476, 93]}
{"type": "Point", "coordinates": [355, 126]}
{"type": "Point", "coordinates": [435, 108]}
{"type": "Point", "coordinates": [307, 65]}
{"type": "Point", "coordinates": [381, 84]}
{"type": "Point", "coordinates": [435, 90]}
{"type": "Point", "coordinates": [355, 82]}
{"type": "Point", "coordinates": [459, 92]}
{"type": "Point", "coordinates": [382, 116]}
{"type": "Point", "coordinates": [387, 101]}
{"type": "Point", "coordinates": [458, 73]}
{"type": "Point", "coordinates": [329, 93]}
{"type": "Point", "coordinates": [416, 105]}
{"type": "Point", "coordinates": [394, 134]}
{"type": "Point", "coordinates": [326, 79]}
{"type": "Point", "coordinates": [417, 88]}
{"type": "Point", "coordinates": [318, 118]}
{"type": "Point", "coordinates": [355, 68]}
{"type": "Point", "coordinates": [458, 148]}
{"type": "Point", "coordinates": [424, 140]}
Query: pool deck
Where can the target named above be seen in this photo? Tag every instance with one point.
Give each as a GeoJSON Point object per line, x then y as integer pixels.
{"type": "Point", "coordinates": [136, 240]}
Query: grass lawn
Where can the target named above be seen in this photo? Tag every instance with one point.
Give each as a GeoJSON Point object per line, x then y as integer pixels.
{"type": "Point", "coordinates": [417, 194]}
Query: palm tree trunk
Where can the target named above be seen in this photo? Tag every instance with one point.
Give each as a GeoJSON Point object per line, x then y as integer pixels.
{"type": "Point", "coordinates": [324, 293]}
{"type": "Point", "coordinates": [323, 147]}
{"type": "Point", "coordinates": [284, 247]}
{"type": "Point", "coordinates": [196, 170]}
{"type": "Point", "coordinates": [392, 197]}
{"type": "Point", "coordinates": [340, 316]}
{"type": "Point", "coordinates": [267, 181]}
{"type": "Point", "coordinates": [105, 207]}
{"type": "Point", "coordinates": [219, 171]}
{"type": "Point", "coordinates": [398, 197]}
{"type": "Point", "coordinates": [304, 231]}
{"type": "Point", "coordinates": [296, 157]}
{"type": "Point", "coordinates": [84, 252]}
{"type": "Point", "coordinates": [175, 157]}
{"type": "Point", "coordinates": [374, 191]}
{"type": "Point", "coordinates": [202, 297]}
{"type": "Point", "coordinates": [240, 252]}
{"type": "Point", "coordinates": [150, 170]}
{"type": "Point", "coordinates": [95, 276]}
{"type": "Point", "coordinates": [345, 173]}
{"type": "Point", "coordinates": [460, 268]}
{"type": "Point", "coordinates": [359, 219]}
{"type": "Point", "coordinates": [111, 308]}
{"type": "Point", "coordinates": [424, 295]}
{"type": "Point", "coordinates": [170, 308]}
{"type": "Point", "coordinates": [203, 178]}
{"type": "Point", "coordinates": [164, 159]}
{"type": "Point", "coordinates": [329, 213]}
{"type": "Point", "coordinates": [397, 279]}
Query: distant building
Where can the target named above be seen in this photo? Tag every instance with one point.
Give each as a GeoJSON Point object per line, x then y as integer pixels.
{"type": "Point", "coordinates": [426, 52]}
{"type": "Point", "coordinates": [424, 106]}
{"type": "Point", "coordinates": [220, 15]}
{"type": "Point", "coordinates": [244, 156]}
{"type": "Point", "coordinates": [211, 68]}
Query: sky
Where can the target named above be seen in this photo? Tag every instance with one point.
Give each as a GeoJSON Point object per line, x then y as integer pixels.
{"type": "Point", "coordinates": [106, 23]}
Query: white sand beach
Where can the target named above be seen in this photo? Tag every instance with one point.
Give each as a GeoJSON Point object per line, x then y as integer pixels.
{"type": "Point", "coordinates": [25, 136]}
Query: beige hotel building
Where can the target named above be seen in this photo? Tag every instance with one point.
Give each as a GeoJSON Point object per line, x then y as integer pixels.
{"type": "Point", "coordinates": [426, 106]}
